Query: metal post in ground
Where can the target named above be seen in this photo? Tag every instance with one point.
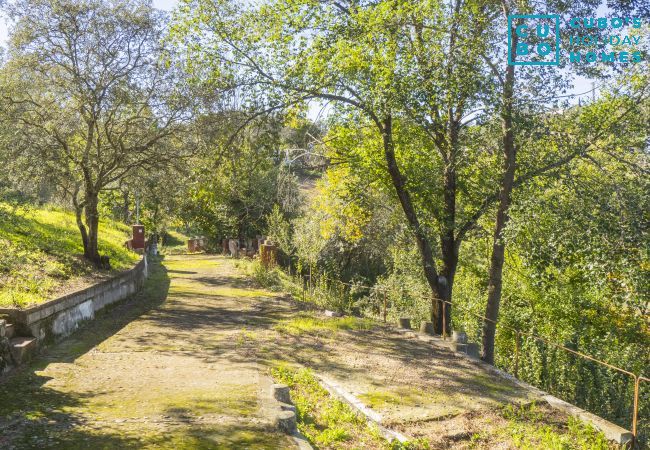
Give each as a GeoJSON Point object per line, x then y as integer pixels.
{"type": "Point", "coordinates": [635, 411]}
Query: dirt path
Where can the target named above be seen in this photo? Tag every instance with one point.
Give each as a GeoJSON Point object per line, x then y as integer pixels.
{"type": "Point", "coordinates": [184, 365]}
{"type": "Point", "coordinates": [167, 369]}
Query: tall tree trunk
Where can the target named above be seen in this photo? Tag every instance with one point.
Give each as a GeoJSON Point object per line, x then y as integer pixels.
{"type": "Point", "coordinates": [424, 246]}
{"type": "Point", "coordinates": [82, 228]}
{"type": "Point", "coordinates": [92, 223]}
{"type": "Point", "coordinates": [448, 244]}
{"type": "Point", "coordinates": [498, 245]}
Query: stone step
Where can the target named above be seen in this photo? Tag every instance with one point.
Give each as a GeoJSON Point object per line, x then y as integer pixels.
{"type": "Point", "coordinates": [470, 349]}
{"type": "Point", "coordinates": [22, 348]}
{"type": "Point", "coordinates": [7, 330]}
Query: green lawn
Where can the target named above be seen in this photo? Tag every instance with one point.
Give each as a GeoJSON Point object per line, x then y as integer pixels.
{"type": "Point", "coordinates": [41, 253]}
{"type": "Point", "coordinates": [173, 242]}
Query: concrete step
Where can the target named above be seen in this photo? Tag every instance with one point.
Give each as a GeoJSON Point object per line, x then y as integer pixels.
{"type": "Point", "coordinates": [6, 329]}
{"type": "Point", "coordinates": [22, 348]}
{"type": "Point", "coordinates": [470, 348]}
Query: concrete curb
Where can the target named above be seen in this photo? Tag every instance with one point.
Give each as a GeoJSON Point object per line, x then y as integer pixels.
{"type": "Point", "coordinates": [337, 391]}
{"type": "Point", "coordinates": [60, 317]}
{"type": "Point", "coordinates": [285, 419]}
{"type": "Point", "coordinates": [611, 431]}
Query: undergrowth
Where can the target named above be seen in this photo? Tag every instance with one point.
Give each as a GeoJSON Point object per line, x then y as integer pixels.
{"type": "Point", "coordinates": [320, 292]}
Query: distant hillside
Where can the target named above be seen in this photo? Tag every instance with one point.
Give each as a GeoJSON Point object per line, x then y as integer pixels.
{"type": "Point", "coordinates": [41, 254]}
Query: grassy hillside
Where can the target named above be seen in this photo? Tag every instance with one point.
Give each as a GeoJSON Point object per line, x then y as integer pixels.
{"type": "Point", "coordinates": [41, 254]}
{"type": "Point", "coordinates": [174, 242]}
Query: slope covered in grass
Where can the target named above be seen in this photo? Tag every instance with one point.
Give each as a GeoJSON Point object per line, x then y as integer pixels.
{"type": "Point", "coordinates": [41, 254]}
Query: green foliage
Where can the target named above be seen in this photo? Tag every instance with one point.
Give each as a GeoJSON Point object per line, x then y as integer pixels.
{"type": "Point", "coordinates": [268, 278]}
{"type": "Point", "coordinates": [173, 242]}
{"type": "Point", "coordinates": [279, 231]}
{"type": "Point", "coordinates": [40, 252]}
{"type": "Point", "coordinates": [238, 179]}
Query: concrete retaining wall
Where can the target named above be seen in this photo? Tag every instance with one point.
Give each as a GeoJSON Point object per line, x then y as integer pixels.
{"type": "Point", "coordinates": [60, 317]}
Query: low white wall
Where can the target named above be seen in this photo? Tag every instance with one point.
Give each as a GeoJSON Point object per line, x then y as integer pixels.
{"type": "Point", "coordinates": [60, 317]}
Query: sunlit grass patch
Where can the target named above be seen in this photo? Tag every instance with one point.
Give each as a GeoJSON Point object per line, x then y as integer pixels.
{"type": "Point", "coordinates": [310, 324]}
{"type": "Point", "coordinates": [41, 251]}
{"type": "Point", "coordinates": [191, 263]}
{"type": "Point", "coordinates": [173, 243]}
{"type": "Point", "coordinates": [324, 420]}
{"type": "Point", "coordinates": [233, 399]}
{"type": "Point", "coordinates": [194, 289]}
{"type": "Point", "coordinates": [406, 396]}
{"type": "Point", "coordinates": [528, 429]}
{"type": "Point", "coordinates": [493, 385]}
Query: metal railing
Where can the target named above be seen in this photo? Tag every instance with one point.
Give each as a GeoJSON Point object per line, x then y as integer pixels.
{"type": "Point", "coordinates": [636, 378]}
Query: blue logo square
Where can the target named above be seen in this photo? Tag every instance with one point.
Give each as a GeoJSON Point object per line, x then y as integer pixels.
{"type": "Point", "coordinates": [538, 40]}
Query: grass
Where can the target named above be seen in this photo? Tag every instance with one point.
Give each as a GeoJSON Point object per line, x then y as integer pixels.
{"type": "Point", "coordinates": [41, 251]}
{"type": "Point", "coordinates": [325, 421]}
{"type": "Point", "coordinates": [173, 243]}
{"type": "Point", "coordinates": [274, 279]}
{"type": "Point", "coordinates": [308, 324]}
{"type": "Point", "coordinates": [528, 431]}
{"type": "Point", "coordinates": [378, 399]}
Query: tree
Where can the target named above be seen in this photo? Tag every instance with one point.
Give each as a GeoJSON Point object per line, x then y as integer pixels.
{"type": "Point", "coordinates": [94, 98]}
{"type": "Point", "coordinates": [380, 63]}
{"type": "Point", "coordinates": [234, 184]}
{"type": "Point", "coordinates": [415, 79]}
{"type": "Point", "coordinates": [595, 128]}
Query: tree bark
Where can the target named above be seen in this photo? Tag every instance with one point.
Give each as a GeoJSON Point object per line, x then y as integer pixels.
{"type": "Point", "coordinates": [82, 228]}
{"type": "Point", "coordinates": [448, 241]}
{"type": "Point", "coordinates": [92, 223]}
{"type": "Point", "coordinates": [505, 191]}
{"type": "Point", "coordinates": [424, 246]}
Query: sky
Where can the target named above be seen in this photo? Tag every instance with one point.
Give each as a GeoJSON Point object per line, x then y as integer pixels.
{"type": "Point", "coordinates": [580, 84]}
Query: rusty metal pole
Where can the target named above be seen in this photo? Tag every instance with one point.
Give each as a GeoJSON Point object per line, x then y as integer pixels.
{"type": "Point", "coordinates": [384, 306]}
{"type": "Point", "coordinates": [444, 320]}
{"type": "Point", "coordinates": [517, 344]}
{"type": "Point", "coordinates": [635, 411]}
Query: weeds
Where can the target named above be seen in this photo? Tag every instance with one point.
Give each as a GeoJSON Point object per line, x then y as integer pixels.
{"type": "Point", "coordinates": [327, 422]}
{"type": "Point", "coordinates": [528, 430]}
